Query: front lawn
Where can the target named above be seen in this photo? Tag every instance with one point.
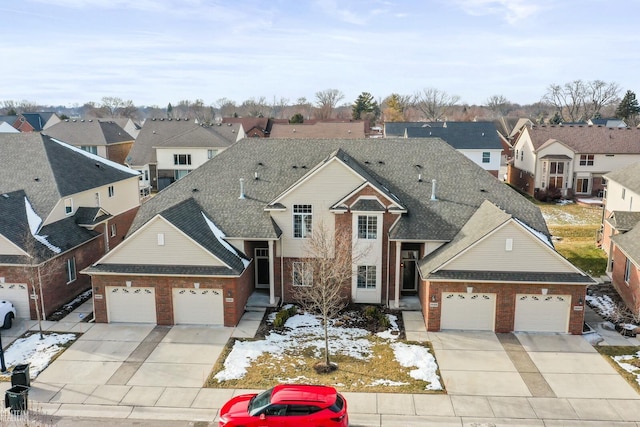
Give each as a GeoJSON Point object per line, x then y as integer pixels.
{"type": "Point", "coordinates": [626, 360]}
{"type": "Point", "coordinates": [367, 362]}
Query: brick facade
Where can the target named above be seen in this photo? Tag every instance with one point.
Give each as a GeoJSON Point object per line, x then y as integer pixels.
{"type": "Point", "coordinates": [505, 301]}
{"type": "Point", "coordinates": [628, 291]}
{"type": "Point", "coordinates": [236, 292]}
{"type": "Point", "coordinates": [520, 179]}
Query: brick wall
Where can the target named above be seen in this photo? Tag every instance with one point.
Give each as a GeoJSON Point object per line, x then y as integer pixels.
{"type": "Point", "coordinates": [235, 292]}
{"type": "Point", "coordinates": [505, 301]}
{"type": "Point", "coordinates": [520, 179]}
{"type": "Point", "coordinates": [123, 223]}
{"type": "Point", "coordinates": [630, 292]}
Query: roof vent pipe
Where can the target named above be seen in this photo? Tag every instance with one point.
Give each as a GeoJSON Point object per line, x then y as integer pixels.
{"type": "Point", "coordinates": [433, 189]}
{"type": "Point", "coordinates": [419, 177]}
{"type": "Point", "coordinates": [242, 196]}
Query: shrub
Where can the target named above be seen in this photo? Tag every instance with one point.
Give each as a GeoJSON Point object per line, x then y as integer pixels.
{"type": "Point", "coordinates": [376, 317]}
{"type": "Point", "coordinates": [283, 315]}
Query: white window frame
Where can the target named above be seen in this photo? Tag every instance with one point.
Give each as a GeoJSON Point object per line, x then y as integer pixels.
{"type": "Point", "coordinates": [587, 159]}
{"type": "Point", "coordinates": [211, 153]}
{"type": "Point", "coordinates": [70, 269]}
{"type": "Point", "coordinates": [68, 206]}
{"type": "Point", "coordinates": [114, 230]}
{"type": "Point", "coordinates": [367, 227]}
{"type": "Point", "coordinates": [182, 159]}
{"type": "Point", "coordinates": [367, 277]}
{"type": "Point", "coordinates": [302, 221]}
{"type": "Point", "coordinates": [302, 274]}
{"type": "Point", "coordinates": [627, 271]}
{"type": "Point", "coordinates": [486, 157]}
{"type": "Point", "coordinates": [111, 191]}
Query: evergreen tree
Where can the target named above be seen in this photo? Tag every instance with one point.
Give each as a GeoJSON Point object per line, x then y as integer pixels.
{"type": "Point", "coordinates": [628, 109]}
{"type": "Point", "coordinates": [169, 110]}
{"type": "Point", "coordinates": [556, 119]}
{"type": "Point", "coordinates": [296, 118]}
{"type": "Point", "coordinates": [365, 108]}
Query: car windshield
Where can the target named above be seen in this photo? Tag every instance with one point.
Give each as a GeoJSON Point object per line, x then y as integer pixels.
{"type": "Point", "coordinates": [259, 402]}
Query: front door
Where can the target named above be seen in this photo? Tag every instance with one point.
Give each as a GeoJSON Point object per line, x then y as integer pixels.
{"type": "Point", "coordinates": [262, 268]}
{"type": "Point", "coordinates": [409, 272]}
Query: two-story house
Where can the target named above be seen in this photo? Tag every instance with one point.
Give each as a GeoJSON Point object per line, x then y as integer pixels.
{"type": "Point", "coordinates": [168, 149]}
{"type": "Point", "coordinates": [101, 137]}
{"type": "Point", "coordinates": [61, 209]}
{"type": "Point", "coordinates": [570, 159]}
{"type": "Point", "coordinates": [431, 221]}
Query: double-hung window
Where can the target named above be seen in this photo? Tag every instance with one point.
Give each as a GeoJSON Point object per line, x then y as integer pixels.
{"type": "Point", "coordinates": [586, 159]}
{"type": "Point", "coordinates": [367, 227]}
{"type": "Point", "coordinates": [486, 157]}
{"type": "Point", "coordinates": [366, 276]}
{"type": "Point", "coordinates": [182, 159]}
{"type": "Point", "coordinates": [627, 271]}
{"type": "Point", "coordinates": [302, 274]}
{"type": "Point", "coordinates": [302, 221]}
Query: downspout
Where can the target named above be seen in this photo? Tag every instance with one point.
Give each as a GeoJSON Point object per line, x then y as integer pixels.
{"type": "Point", "coordinates": [281, 272]}
{"type": "Point", "coordinates": [388, 266]}
{"type": "Point", "coordinates": [43, 314]}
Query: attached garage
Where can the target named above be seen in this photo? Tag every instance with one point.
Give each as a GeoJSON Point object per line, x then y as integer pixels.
{"type": "Point", "coordinates": [542, 313]}
{"type": "Point", "coordinates": [469, 311]}
{"type": "Point", "coordinates": [131, 304]}
{"type": "Point", "coordinates": [198, 307]}
{"type": "Point", "coordinates": [18, 294]}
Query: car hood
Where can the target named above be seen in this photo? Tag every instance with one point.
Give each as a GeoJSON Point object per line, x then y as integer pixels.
{"type": "Point", "coordinates": [239, 405]}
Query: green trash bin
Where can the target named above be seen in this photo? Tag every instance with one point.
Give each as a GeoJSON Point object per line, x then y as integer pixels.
{"type": "Point", "coordinates": [16, 398]}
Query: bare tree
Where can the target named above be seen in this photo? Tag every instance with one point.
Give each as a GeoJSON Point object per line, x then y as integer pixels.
{"type": "Point", "coordinates": [579, 101]}
{"type": "Point", "coordinates": [326, 101]}
{"type": "Point", "coordinates": [278, 107]}
{"type": "Point", "coordinates": [111, 104]}
{"type": "Point", "coordinates": [304, 107]}
{"type": "Point", "coordinates": [499, 105]}
{"type": "Point", "coordinates": [434, 103]}
{"type": "Point", "coordinates": [226, 106]}
{"type": "Point", "coordinates": [256, 107]}
{"type": "Point", "coordinates": [322, 279]}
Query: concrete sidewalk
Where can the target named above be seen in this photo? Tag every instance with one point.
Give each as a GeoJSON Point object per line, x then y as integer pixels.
{"type": "Point", "coordinates": [145, 372]}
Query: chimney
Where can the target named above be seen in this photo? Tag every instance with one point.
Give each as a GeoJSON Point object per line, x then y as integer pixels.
{"type": "Point", "coordinates": [242, 195]}
{"type": "Point", "coordinates": [433, 190]}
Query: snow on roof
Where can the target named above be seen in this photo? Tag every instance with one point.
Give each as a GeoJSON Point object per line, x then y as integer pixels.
{"type": "Point", "coordinates": [536, 233]}
{"type": "Point", "coordinates": [34, 224]}
{"type": "Point", "coordinates": [220, 236]}
{"type": "Point", "coordinates": [98, 158]}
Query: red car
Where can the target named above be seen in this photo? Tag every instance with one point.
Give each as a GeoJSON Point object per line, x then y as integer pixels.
{"type": "Point", "coordinates": [287, 405]}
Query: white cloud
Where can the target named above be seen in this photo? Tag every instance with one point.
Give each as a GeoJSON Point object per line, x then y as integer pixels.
{"type": "Point", "coordinates": [512, 11]}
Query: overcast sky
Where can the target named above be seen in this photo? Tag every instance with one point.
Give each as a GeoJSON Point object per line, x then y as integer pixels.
{"type": "Point", "coordinates": [159, 51]}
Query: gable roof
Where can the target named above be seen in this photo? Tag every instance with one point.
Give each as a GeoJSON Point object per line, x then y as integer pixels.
{"type": "Point", "coordinates": [158, 133]}
{"type": "Point", "coordinates": [89, 132]}
{"type": "Point", "coordinates": [38, 120]}
{"type": "Point", "coordinates": [629, 243]}
{"type": "Point", "coordinates": [588, 139]}
{"type": "Point", "coordinates": [624, 220]}
{"type": "Point", "coordinates": [628, 177]}
{"type": "Point", "coordinates": [263, 124]}
{"type": "Point", "coordinates": [19, 224]}
{"type": "Point", "coordinates": [482, 223]}
{"type": "Point", "coordinates": [394, 164]}
{"type": "Point", "coordinates": [462, 135]}
{"type": "Point", "coordinates": [397, 129]}
{"type": "Point", "coordinates": [48, 170]}
{"type": "Point", "coordinates": [342, 130]}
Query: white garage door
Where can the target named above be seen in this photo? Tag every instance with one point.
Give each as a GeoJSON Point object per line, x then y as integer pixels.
{"type": "Point", "coordinates": [131, 304]}
{"type": "Point", "coordinates": [471, 311]}
{"type": "Point", "coordinates": [18, 294]}
{"type": "Point", "coordinates": [198, 307]}
{"type": "Point", "coordinates": [542, 313]}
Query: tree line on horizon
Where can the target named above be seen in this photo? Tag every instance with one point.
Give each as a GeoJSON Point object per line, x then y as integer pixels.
{"type": "Point", "coordinates": [576, 101]}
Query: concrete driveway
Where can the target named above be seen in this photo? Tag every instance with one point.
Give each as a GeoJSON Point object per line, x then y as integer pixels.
{"type": "Point", "coordinates": [527, 365]}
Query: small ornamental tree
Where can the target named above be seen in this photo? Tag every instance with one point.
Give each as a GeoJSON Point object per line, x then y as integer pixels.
{"type": "Point", "coordinates": [322, 279]}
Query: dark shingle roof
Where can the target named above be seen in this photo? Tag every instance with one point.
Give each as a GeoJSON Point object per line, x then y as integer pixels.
{"type": "Point", "coordinates": [461, 185]}
{"type": "Point", "coordinates": [37, 120]}
{"type": "Point", "coordinates": [396, 129]}
{"type": "Point", "coordinates": [367, 205]}
{"type": "Point", "coordinates": [629, 243]}
{"type": "Point", "coordinates": [48, 170]}
{"type": "Point", "coordinates": [462, 135]}
{"type": "Point", "coordinates": [160, 270]}
{"type": "Point", "coordinates": [510, 276]}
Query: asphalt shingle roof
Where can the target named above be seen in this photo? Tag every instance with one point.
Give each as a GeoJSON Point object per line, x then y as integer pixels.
{"type": "Point", "coordinates": [321, 130]}
{"type": "Point", "coordinates": [461, 185]}
{"type": "Point", "coordinates": [88, 132]}
{"type": "Point", "coordinates": [628, 177]}
{"type": "Point", "coordinates": [588, 139]}
{"type": "Point", "coordinates": [629, 243]}
{"type": "Point", "coordinates": [177, 133]}
{"type": "Point", "coordinates": [624, 220]}
{"type": "Point", "coordinates": [510, 276]}
{"type": "Point", "coordinates": [462, 135]}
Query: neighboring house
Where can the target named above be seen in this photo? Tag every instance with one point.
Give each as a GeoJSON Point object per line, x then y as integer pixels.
{"type": "Point", "coordinates": [356, 129]}
{"type": "Point", "coordinates": [252, 127]}
{"type": "Point", "coordinates": [101, 137]}
{"type": "Point", "coordinates": [35, 122]}
{"type": "Point", "coordinates": [61, 210]}
{"type": "Point", "coordinates": [168, 149]}
{"type": "Point", "coordinates": [7, 128]}
{"type": "Point", "coordinates": [429, 221]}
{"type": "Point", "coordinates": [621, 204]}
{"type": "Point", "coordinates": [131, 127]}
{"type": "Point", "coordinates": [610, 123]}
{"type": "Point", "coordinates": [398, 129]}
{"type": "Point", "coordinates": [479, 141]}
{"type": "Point", "coordinates": [570, 159]}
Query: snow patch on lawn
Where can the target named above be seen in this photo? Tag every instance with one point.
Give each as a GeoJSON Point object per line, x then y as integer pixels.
{"type": "Point", "coordinates": [632, 369]}
{"type": "Point", "coordinates": [305, 331]}
{"type": "Point", "coordinates": [35, 351]}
